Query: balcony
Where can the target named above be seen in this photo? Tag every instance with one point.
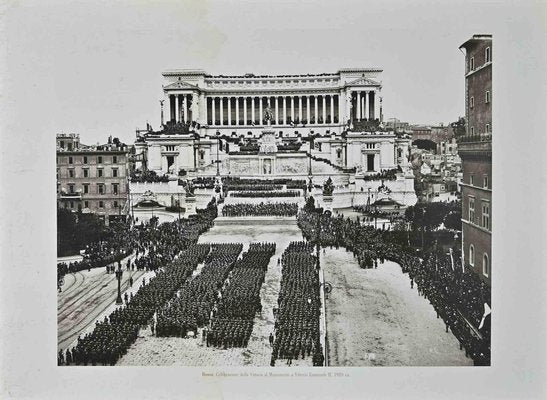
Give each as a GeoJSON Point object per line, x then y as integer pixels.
{"type": "Point", "coordinates": [70, 196]}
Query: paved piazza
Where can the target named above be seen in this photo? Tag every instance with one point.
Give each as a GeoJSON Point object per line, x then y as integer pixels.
{"type": "Point", "coordinates": [151, 350]}
{"type": "Point", "coordinates": [375, 318]}
{"type": "Point", "coordinates": [89, 296]}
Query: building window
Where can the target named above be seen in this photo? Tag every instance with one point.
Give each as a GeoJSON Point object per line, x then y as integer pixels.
{"type": "Point", "coordinates": [115, 204]}
{"type": "Point", "coordinates": [471, 179]}
{"type": "Point", "coordinates": [100, 173]}
{"type": "Point", "coordinates": [86, 188]}
{"type": "Point", "coordinates": [85, 159]}
{"type": "Point", "coordinates": [485, 265]}
{"type": "Point", "coordinates": [86, 172]}
{"type": "Point", "coordinates": [71, 188]}
{"type": "Point", "coordinates": [472, 130]}
{"type": "Point", "coordinates": [70, 160]}
{"type": "Point", "coordinates": [472, 255]}
{"type": "Point", "coordinates": [69, 144]}
{"type": "Point", "coordinates": [487, 96]}
{"type": "Point", "coordinates": [114, 159]}
{"type": "Point", "coordinates": [71, 204]}
{"type": "Point", "coordinates": [114, 188]}
{"type": "Point", "coordinates": [101, 204]}
{"type": "Point", "coordinates": [62, 143]}
{"type": "Point", "coordinates": [486, 215]}
{"type": "Point", "coordinates": [114, 172]}
{"type": "Point", "coordinates": [472, 102]}
{"type": "Point", "coordinates": [485, 182]}
{"type": "Point", "coordinates": [487, 55]}
{"type": "Point", "coordinates": [472, 64]}
{"type": "Point", "coordinates": [100, 189]}
{"type": "Point", "coordinates": [487, 128]}
{"type": "Point", "coordinates": [86, 204]}
{"type": "Point", "coordinates": [99, 159]}
{"type": "Point", "coordinates": [71, 173]}
{"type": "Point", "coordinates": [471, 210]}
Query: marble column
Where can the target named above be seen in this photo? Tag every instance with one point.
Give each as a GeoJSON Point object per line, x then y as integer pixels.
{"type": "Point", "coordinates": [221, 106]}
{"type": "Point", "coordinates": [229, 111]}
{"type": "Point", "coordinates": [253, 109]}
{"type": "Point", "coordinates": [184, 108]}
{"type": "Point", "coordinates": [292, 109]}
{"type": "Point", "coordinates": [177, 108]}
{"type": "Point", "coordinates": [260, 113]}
{"type": "Point", "coordinates": [237, 110]}
{"type": "Point", "coordinates": [324, 107]}
{"type": "Point", "coordinates": [276, 118]}
{"type": "Point", "coordinates": [358, 106]}
{"type": "Point", "coordinates": [284, 110]}
{"type": "Point", "coordinates": [316, 109]}
{"type": "Point", "coordinates": [213, 118]}
{"type": "Point", "coordinates": [300, 109]}
{"type": "Point", "coordinates": [308, 112]}
{"type": "Point", "coordinates": [367, 105]}
{"type": "Point", "coordinates": [331, 108]}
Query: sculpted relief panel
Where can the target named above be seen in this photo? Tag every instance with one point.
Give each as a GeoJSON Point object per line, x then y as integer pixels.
{"type": "Point", "coordinates": [291, 166]}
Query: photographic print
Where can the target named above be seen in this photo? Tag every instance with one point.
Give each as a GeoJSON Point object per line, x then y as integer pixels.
{"type": "Point", "coordinates": [288, 215]}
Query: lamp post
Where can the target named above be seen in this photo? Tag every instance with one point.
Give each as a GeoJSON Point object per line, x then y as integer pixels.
{"type": "Point", "coordinates": [318, 238]}
{"type": "Point", "coordinates": [218, 145]}
{"type": "Point", "coordinates": [119, 274]}
{"type": "Point", "coordinates": [423, 227]}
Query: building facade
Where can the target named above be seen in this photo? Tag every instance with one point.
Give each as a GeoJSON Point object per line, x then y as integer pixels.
{"type": "Point", "coordinates": [475, 150]}
{"type": "Point", "coordinates": [321, 102]}
{"type": "Point", "coordinates": [92, 179]}
{"type": "Point", "coordinates": [316, 127]}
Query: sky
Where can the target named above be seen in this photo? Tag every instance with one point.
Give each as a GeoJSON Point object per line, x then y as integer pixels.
{"type": "Point", "coordinates": [94, 68]}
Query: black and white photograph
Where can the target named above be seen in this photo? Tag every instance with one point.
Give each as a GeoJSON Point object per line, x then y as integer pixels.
{"type": "Point", "coordinates": [271, 189]}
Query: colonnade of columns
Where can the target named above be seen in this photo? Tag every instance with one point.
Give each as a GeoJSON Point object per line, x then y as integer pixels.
{"type": "Point", "coordinates": [248, 110]}
{"type": "Point", "coordinates": [182, 107]}
{"type": "Point", "coordinates": [366, 105]}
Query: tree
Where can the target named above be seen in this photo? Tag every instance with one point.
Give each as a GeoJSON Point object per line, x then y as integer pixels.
{"type": "Point", "coordinates": [425, 144]}
{"type": "Point", "coordinates": [459, 127]}
{"type": "Point", "coordinates": [310, 204]}
{"type": "Point", "coordinates": [453, 220]}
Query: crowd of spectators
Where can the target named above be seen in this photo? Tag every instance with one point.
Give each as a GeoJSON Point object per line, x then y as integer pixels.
{"type": "Point", "coordinates": [176, 242]}
{"type": "Point", "coordinates": [262, 209]}
{"type": "Point", "coordinates": [266, 194]}
{"type": "Point", "coordinates": [458, 297]}
{"type": "Point", "coordinates": [147, 176]}
{"type": "Point", "coordinates": [297, 319]}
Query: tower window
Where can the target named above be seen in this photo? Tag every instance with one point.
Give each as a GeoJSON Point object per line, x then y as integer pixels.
{"type": "Point", "coordinates": [487, 55]}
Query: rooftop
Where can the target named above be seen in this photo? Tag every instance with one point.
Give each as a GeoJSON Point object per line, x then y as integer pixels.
{"type": "Point", "coordinates": [250, 75]}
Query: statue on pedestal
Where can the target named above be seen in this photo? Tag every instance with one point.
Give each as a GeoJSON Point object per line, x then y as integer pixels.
{"type": "Point", "coordinates": [268, 115]}
{"type": "Point", "coordinates": [328, 187]}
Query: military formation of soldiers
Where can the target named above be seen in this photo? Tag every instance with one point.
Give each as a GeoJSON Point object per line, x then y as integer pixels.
{"type": "Point", "coordinates": [194, 304]}
{"type": "Point", "coordinates": [114, 335]}
{"type": "Point", "coordinates": [453, 293]}
{"type": "Point", "coordinates": [232, 322]}
{"type": "Point", "coordinates": [262, 209]}
{"type": "Point", "coordinates": [297, 318]}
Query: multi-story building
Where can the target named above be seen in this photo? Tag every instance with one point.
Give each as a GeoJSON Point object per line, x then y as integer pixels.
{"type": "Point", "coordinates": [322, 102]}
{"type": "Point", "coordinates": [92, 178]}
{"type": "Point", "coordinates": [475, 150]}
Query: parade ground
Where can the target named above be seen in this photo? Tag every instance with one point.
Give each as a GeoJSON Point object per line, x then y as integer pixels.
{"type": "Point", "coordinates": [87, 297]}
{"type": "Point", "coordinates": [152, 350]}
{"type": "Point", "coordinates": [374, 318]}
